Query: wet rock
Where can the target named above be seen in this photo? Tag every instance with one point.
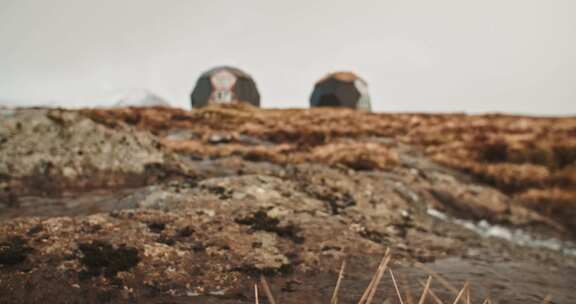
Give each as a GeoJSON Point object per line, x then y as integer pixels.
{"type": "Point", "coordinates": [284, 193]}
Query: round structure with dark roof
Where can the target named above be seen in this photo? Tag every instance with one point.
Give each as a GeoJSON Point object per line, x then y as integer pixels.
{"type": "Point", "coordinates": [341, 89]}
{"type": "Point", "coordinates": [224, 85]}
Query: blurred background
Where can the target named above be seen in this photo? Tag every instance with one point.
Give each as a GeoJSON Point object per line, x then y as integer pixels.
{"type": "Point", "coordinates": [514, 56]}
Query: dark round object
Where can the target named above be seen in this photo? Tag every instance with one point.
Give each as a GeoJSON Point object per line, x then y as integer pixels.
{"type": "Point", "coordinates": [224, 85]}
{"type": "Point", "coordinates": [341, 89]}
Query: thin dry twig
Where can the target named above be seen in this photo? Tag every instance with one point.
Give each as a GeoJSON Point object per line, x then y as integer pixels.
{"type": "Point", "coordinates": [461, 293]}
{"type": "Point", "coordinates": [396, 286]}
{"type": "Point", "coordinates": [379, 275]}
{"type": "Point", "coordinates": [256, 300]}
{"type": "Point", "coordinates": [371, 285]}
{"type": "Point", "coordinates": [433, 294]}
{"type": "Point", "coordinates": [267, 290]}
{"type": "Point", "coordinates": [425, 291]}
{"type": "Point", "coordinates": [440, 279]}
{"type": "Point", "coordinates": [464, 294]}
{"type": "Point", "coordinates": [334, 299]}
{"type": "Point", "coordinates": [367, 290]}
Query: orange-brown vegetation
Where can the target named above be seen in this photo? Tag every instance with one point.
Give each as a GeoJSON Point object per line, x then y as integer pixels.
{"type": "Point", "coordinates": [533, 159]}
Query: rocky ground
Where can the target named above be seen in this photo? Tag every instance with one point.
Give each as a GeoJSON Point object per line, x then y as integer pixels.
{"type": "Point", "coordinates": [163, 205]}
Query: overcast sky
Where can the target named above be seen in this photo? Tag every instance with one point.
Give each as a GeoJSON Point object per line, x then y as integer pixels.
{"type": "Point", "coordinates": [475, 56]}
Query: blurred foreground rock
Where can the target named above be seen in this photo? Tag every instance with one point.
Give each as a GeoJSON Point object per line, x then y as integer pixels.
{"type": "Point", "coordinates": [164, 205]}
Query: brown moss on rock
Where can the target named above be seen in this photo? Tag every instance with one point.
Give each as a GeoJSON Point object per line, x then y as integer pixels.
{"type": "Point", "coordinates": [512, 153]}
{"type": "Point", "coordinates": [238, 192]}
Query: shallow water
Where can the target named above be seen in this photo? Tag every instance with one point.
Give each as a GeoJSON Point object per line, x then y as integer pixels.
{"type": "Point", "coordinates": [516, 236]}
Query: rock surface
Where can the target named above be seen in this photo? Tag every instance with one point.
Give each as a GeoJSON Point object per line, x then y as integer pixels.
{"type": "Point", "coordinates": [50, 150]}
{"type": "Point", "coordinates": [530, 159]}
{"type": "Point", "coordinates": [164, 205]}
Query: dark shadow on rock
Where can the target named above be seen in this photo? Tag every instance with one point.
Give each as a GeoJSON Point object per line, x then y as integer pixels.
{"type": "Point", "coordinates": [13, 251]}
{"type": "Point", "coordinates": [101, 257]}
{"type": "Point", "coordinates": [261, 221]}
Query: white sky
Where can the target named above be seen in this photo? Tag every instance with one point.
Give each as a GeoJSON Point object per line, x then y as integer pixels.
{"type": "Point", "coordinates": [442, 55]}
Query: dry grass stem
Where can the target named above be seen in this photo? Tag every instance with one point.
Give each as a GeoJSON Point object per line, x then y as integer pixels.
{"type": "Point", "coordinates": [371, 285]}
{"type": "Point", "coordinates": [432, 294]}
{"type": "Point", "coordinates": [367, 291]}
{"type": "Point", "coordinates": [379, 275]}
{"type": "Point", "coordinates": [396, 287]}
{"type": "Point", "coordinates": [461, 293]}
{"type": "Point", "coordinates": [440, 279]}
{"type": "Point", "coordinates": [425, 291]}
{"type": "Point", "coordinates": [267, 290]}
{"type": "Point", "coordinates": [256, 300]}
{"type": "Point", "coordinates": [334, 299]}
